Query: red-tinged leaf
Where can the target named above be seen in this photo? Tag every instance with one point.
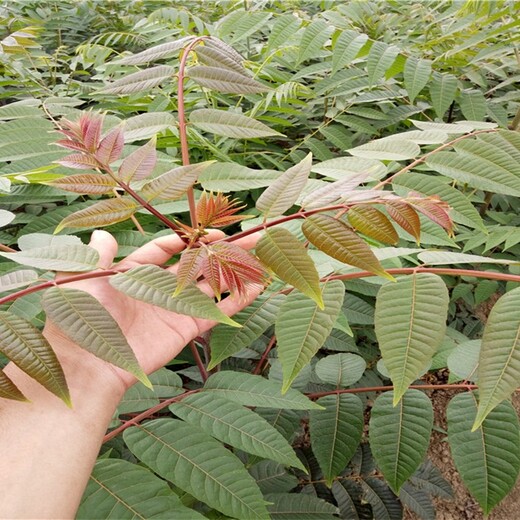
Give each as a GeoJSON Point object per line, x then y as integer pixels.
{"type": "Point", "coordinates": [85, 183]}
{"type": "Point", "coordinates": [218, 211]}
{"type": "Point", "coordinates": [91, 125]}
{"type": "Point", "coordinates": [72, 129]}
{"type": "Point", "coordinates": [435, 209]}
{"type": "Point", "coordinates": [8, 390]}
{"type": "Point", "coordinates": [189, 267]}
{"type": "Point", "coordinates": [79, 161]}
{"type": "Point", "coordinates": [339, 241]}
{"type": "Point", "coordinates": [71, 145]}
{"type": "Point", "coordinates": [111, 146]}
{"type": "Point", "coordinates": [287, 257]}
{"type": "Point", "coordinates": [139, 164]}
{"type": "Point", "coordinates": [235, 266]}
{"type": "Point", "coordinates": [103, 213]}
{"type": "Point", "coordinates": [405, 216]}
{"type": "Point", "coordinates": [372, 223]}
{"type": "Point", "coordinates": [173, 184]}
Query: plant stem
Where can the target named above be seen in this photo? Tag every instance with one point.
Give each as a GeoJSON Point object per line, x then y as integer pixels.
{"type": "Point", "coordinates": [183, 135]}
{"type": "Point", "coordinates": [7, 249]}
{"type": "Point", "coordinates": [198, 360]}
{"type": "Point", "coordinates": [263, 359]}
{"type": "Point", "coordinates": [147, 413]}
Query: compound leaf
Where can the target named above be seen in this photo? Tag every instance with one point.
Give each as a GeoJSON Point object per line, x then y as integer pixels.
{"type": "Point", "coordinates": [225, 81]}
{"type": "Point", "coordinates": [141, 81]}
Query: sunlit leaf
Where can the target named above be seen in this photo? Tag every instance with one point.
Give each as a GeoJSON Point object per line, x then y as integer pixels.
{"type": "Point", "coordinates": [347, 48]}
{"type": "Point", "coordinates": [487, 459]}
{"type": "Point", "coordinates": [313, 38]}
{"type": "Point", "coordinates": [410, 321]}
{"type": "Point", "coordinates": [199, 465]}
{"type": "Point", "coordinates": [442, 91]}
{"type": "Point", "coordinates": [147, 125]}
{"type": "Point", "coordinates": [17, 279]}
{"type": "Point", "coordinates": [25, 346]}
{"type": "Point", "coordinates": [235, 177]}
{"type": "Point", "coordinates": [284, 192]}
{"type": "Point", "coordinates": [57, 258]}
{"type": "Point", "coordinates": [213, 56]}
{"type": "Point", "coordinates": [87, 183]}
{"type": "Point", "coordinates": [102, 213]}
{"type": "Point", "coordinates": [499, 362]}
{"type": "Point", "coordinates": [164, 50]}
{"type": "Point", "coordinates": [335, 238]}
{"type": "Point", "coordinates": [111, 146]}
{"type": "Point", "coordinates": [379, 60]}
{"type": "Point", "coordinates": [225, 81]}
{"type": "Point", "coordinates": [372, 223]}
{"type": "Point", "coordinates": [139, 164]}
{"type": "Point", "coordinates": [141, 81]}
{"type": "Point", "coordinates": [387, 149]}
{"type": "Point", "coordinates": [405, 216]}
{"type": "Point", "coordinates": [282, 252]}
{"type": "Point", "coordinates": [400, 435]}
{"type": "Point", "coordinates": [416, 75]}
{"type": "Point", "coordinates": [302, 328]}
{"type": "Point", "coordinates": [85, 321]}
{"type": "Point", "coordinates": [229, 124]}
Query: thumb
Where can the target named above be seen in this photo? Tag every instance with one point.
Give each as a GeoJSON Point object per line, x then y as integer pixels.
{"type": "Point", "coordinates": [105, 244]}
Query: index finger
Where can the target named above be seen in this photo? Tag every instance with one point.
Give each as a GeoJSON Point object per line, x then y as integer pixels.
{"type": "Point", "coordinates": [160, 250]}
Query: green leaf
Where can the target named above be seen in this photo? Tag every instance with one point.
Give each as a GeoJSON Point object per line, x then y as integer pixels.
{"type": "Point", "coordinates": [337, 240]}
{"type": "Point", "coordinates": [6, 217]}
{"type": "Point", "coordinates": [217, 57]}
{"type": "Point", "coordinates": [229, 124]}
{"type": "Point", "coordinates": [73, 258]}
{"type": "Point", "coordinates": [272, 477]}
{"type": "Point", "coordinates": [461, 209]}
{"type": "Point", "coordinates": [400, 435]}
{"type": "Point", "coordinates": [379, 60]}
{"type": "Point", "coordinates": [235, 425]}
{"type": "Point", "coordinates": [147, 125]}
{"type": "Point", "coordinates": [499, 362]}
{"type": "Point", "coordinates": [336, 432]}
{"type": "Point", "coordinates": [340, 370]}
{"type": "Point", "coordinates": [416, 75]}
{"type": "Point", "coordinates": [254, 320]}
{"type": "Point", "coordinates": [285, 190]}
{"type": "Point", "coordinates": [251, 390]}
{"type": "Point", "coordinates": [387, 150]}
{"type": "Point", "coordinates": [410, 323]}
{"type": "Point", "coordinates": [372, 223]}
{"type": "Point", "coordinates": [442, 92]}
{"type": "Point", "coordinates": [141, 81]}
{"type": "Point", "coordinates": [225, 81]}
{"type": "Point", "coordinates": [8, 390]}
{"type": "Point", "coordinates": [103, 213]}
{"type": "Point", "coordinates": [302, 328]}
{"type": "Point", "coordinates": [26, 347]}
{"type": "Point", "coordinates": [473, 105]}
{"type": "Point", "coordinates": [385, 505]}
{"type": "Point", "coordinates": [173, 184]}
{"type": "Point", "coordinates": [17, 279]}
{"type": "Point", "coordinates": [137, 398]}
{"type": "Point", "coordinates": [487, 459]}
{"type": "Point", "coordinates": [283, 253]}
{"type": "Point", "coordinates": [418, 501]}
{"type": "Point", "coordinates": [342, 167]}
{"type": "Point", "coordinates": [463, 360]}
{"type": "Point", "coordinates": [313, 38]}
{"type": "Point", "coordinates": [347, 495]}
{"type": "Point", "coordinates": [347, 47]}
{"type": "Point", "coordinates": [235, 177]}
{"type": "Point", "coordinates": [151, 284]}
{"type": "Point", "coordinates": [86, 322]}
{"type": "Point", "coordinates": [289, 506]}
{"type": "Point", "coordinates": [164, 50]}
{"type": "Point", "coordinates": [283, 29]}
{"type": "Point", "coordinates": [199, 465]}
{"type": "Point", "coordinates": [120, 490]}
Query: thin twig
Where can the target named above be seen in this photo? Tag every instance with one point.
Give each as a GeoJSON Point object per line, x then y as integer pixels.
{"type": "Point", "coordinates": [198, 360]}
{"type": "Point", "coordinates": [263, 359]}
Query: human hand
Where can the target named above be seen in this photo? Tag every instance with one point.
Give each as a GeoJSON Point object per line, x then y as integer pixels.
{"type": "Point", "coordinates": [155, 334]}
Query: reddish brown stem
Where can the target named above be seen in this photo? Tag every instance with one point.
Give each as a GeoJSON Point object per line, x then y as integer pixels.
{"type": "Point", "coordinates": [7, 249]}
{"type": "Point", "coordinates": [263, 359]}
{"type": "Point", "coordinates": [198, 360]}
{"type": "Point", "coordinates": [147, 413]}
{"type": "Point", "coordinates": [317, 395]}
{"type": "Point", "coordinates": [183, 135]}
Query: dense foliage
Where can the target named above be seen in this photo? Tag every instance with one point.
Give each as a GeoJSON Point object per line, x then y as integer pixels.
{"type": "Point", "coordinates": [375, 147]}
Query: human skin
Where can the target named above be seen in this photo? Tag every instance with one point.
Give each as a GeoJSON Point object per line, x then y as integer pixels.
{"type": "Point", "coordinates": [48, 449]}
